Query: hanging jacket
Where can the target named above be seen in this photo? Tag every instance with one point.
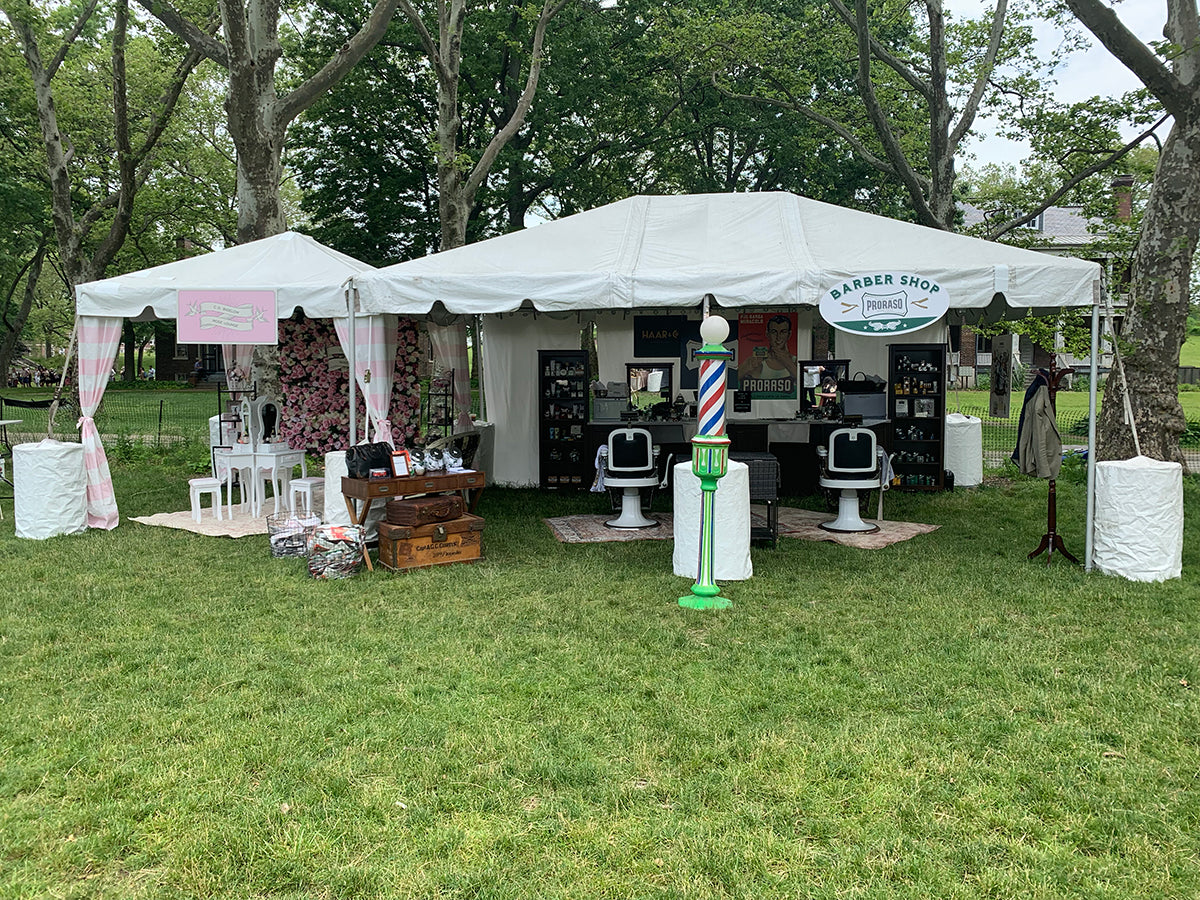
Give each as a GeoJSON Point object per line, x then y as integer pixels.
{"type": "Point", "coordinates": [1039, 445]}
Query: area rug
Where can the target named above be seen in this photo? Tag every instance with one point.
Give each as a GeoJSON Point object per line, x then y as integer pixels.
{"type": "Point", "coordinates": [794, 523]}
{"type": "Point", "coordinates": [805, 525]}
{"type": "Point", "coordinates": [592, 530]}
{"type": "Point", "coordinates": [241, 525]}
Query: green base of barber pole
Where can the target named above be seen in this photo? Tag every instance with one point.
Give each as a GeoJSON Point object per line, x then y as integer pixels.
{"type": "Point", "coordinates": [710, 461]}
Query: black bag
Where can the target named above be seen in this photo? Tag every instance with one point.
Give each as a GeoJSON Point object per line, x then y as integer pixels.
{"type": "Point", "coordinates": [362, 458]}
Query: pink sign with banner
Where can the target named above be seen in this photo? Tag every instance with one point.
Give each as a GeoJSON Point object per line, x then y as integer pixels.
{"type": "Point", "coordinates": [227, 317]}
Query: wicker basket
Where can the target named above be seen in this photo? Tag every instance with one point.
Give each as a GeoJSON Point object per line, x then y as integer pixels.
{"type": "Point", "coordinates": [288, 534]}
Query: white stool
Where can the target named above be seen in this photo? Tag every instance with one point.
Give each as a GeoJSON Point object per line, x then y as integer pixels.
{"type": "Point", "coordinates": [210, 486]}
{"type": "Point", "coordinates": [304, 488]}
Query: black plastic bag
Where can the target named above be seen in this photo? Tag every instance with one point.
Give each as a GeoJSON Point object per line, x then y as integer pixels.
{"type": "Point", "coordinates": [362, 458]}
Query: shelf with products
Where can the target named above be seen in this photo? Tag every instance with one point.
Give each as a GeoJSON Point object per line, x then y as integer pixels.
{"type": "Point", "coordinates": [917, 408]}
{"type": "Point", "coordinates": [563, 381]}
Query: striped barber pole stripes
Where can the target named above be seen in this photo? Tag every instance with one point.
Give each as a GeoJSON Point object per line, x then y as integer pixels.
{"type": "Point", "coordinates": [712, 397]}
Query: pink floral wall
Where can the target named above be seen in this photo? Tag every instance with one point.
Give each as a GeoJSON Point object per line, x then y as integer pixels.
{"type": "Point", "coordinates": [315, 414]}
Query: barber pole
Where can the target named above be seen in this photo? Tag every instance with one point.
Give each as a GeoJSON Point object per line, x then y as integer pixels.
{"type": "Point", "coordinates": [710, 458]}
{"type": "Point", "coordinates": [712, 389]}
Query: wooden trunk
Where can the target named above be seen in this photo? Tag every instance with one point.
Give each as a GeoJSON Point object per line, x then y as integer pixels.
{"type": "Point", "coordinates": [437, 544]}
{"type": "Point", "coordinates": [425, 510]}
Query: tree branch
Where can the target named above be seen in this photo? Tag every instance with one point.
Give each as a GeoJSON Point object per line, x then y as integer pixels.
{"type": "Point", "coordinates": [126, 166]}
{"type": "Point", "coordinates": [70, 38]}
{"type": "Point", "coordinates": [165, 107]}
{"type": "Point", "coordinates": [1101, 21]}
{"type": "Point", "coordinates": [967, 119]}
{"type": "Point", "coordinates": [903, 169]}
{"type": "Point", "coordinates": [426, 39]}
{"type": "Point", "coordinates": [341, 62]}
{"type": "Point", "coordinates": [885, 56]}
{"type": "Point", "coordinates": [1079, 177]}
{"type": "Point", "coordinates": [183, 27]}
{"type": "Point", "coordinates": [549, 10]}
{"type": "Point", "coordinates": [807, 111]}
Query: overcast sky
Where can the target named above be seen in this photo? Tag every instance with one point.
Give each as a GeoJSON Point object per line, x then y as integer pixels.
{"type": "Point", "coordinates": [1095, 72]}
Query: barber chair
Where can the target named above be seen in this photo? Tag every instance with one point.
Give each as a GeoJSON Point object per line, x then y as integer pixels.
{"type": "Point", "coordinates": [852, 462]}
{"type": "Point", "coordinates": [630, 463]}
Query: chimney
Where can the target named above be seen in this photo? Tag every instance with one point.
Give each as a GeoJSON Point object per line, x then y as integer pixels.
{"type": "Point", "coordinates": [1122, 187]}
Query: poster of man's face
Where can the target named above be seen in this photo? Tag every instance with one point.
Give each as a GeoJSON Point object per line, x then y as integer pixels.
{"type": "Point", "coordinates": [767, 355]}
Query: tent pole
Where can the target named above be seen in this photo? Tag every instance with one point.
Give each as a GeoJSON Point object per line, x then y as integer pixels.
{"type": "Point", "coordinates": [1093, 377]}
{"type": "Point", "coordinates": [350, 303]}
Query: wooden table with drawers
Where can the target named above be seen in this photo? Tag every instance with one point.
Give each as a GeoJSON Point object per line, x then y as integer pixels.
{"type": "Point", "coordinates": [368, 490]}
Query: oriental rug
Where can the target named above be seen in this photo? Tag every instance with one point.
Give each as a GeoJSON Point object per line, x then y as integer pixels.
{"type": "Point", "coordinates": [793, 523]}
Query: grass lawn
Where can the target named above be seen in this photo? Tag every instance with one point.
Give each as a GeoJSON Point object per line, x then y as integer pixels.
{"type": "Point", "coordinates": [1189, 353]}
{"type": "Point", "coordinates": [187, 717]}
{"type": "Point", "coordinates": [1066, 402]}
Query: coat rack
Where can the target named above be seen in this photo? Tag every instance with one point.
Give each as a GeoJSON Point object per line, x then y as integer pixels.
{"type": "Point", "coordinates": [1052, 540]}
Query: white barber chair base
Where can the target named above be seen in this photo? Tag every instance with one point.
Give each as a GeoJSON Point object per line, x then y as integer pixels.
{"type": "Point", "coordinates": [631, 503]}
{"type": "Point", "coordinates": [848, 520]}
{"type": "Point", "coordinates": [852, 462]}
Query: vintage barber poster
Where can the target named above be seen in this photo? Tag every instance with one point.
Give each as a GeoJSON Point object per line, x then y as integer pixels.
{"type": "Point", "coordinates": [767, 354]}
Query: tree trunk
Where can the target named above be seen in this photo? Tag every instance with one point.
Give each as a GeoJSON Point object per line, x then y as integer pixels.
{"type": "Point", "coordinates": [259, 174]}
{"type": "Point", "coordinates": [1155, 323]}
{"type": "Point", "coordinates": [130, 341]}
{"type": "Point", "coordinates": [16, 324]}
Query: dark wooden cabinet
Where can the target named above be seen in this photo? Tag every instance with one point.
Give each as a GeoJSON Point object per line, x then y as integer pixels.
{"type": "Point", "coordinates": [917, 408]}
{"type": "Point", "coordinates": [563, 460]}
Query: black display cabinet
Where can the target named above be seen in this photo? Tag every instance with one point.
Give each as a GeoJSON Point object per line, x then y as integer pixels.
{"type": "Point", "coordinates": [563, 381]}
{"type": "Point", "coordinates": [917, 408]}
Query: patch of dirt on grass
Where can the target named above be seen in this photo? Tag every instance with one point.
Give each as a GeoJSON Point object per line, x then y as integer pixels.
{"type": "Point", "coordinates": [998, 481]}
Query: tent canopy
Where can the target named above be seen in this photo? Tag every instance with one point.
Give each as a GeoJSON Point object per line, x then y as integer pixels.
{"type": "Point", "coordinates": [303, 273]}
{"type": "Point", "coordinates": [760, 249]}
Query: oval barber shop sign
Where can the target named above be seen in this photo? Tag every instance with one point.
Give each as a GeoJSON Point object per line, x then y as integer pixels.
{"type": "Point", "coordinates": [884, 303]}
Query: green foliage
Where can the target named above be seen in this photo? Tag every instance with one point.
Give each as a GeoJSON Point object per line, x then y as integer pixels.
{"type": "Point", "coordinates": [187, 717]}
{"type": "Point", "coordinates": [1072, 325]}
{"type": "Point", "coordinates": [625, 105]}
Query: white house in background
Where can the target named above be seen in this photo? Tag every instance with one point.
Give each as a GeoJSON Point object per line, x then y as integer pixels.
{"type": "Point", "coordinates": [1061, 231]}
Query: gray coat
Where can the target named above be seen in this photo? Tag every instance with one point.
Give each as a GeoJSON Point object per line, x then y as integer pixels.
{"type": "Point", "coordinates": [1039, 445]}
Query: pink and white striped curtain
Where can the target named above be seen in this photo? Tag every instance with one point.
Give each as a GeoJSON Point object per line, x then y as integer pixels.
{"type": "Point", "coordinates": [239, 356]}
{"type": "Point", "coordinates": [98, 340]}
{"type": "Point", "coordinates": [450, 349]}
{"type": "Point", "coordinates": [375, 365]}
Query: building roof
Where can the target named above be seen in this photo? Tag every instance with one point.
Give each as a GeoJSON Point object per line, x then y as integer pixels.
{"type": "Point", "coordinates": [1061, 227]}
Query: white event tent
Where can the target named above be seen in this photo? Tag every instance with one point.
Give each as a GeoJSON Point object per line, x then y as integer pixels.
{"type": "Point", "coordinates": [746, 250]}
{"type": "Point", "coordinates": [645, 253]}
{"type": "Point", "coordinates": [303, 273]}
{"type": "Point", "coordinates": [651, 253]}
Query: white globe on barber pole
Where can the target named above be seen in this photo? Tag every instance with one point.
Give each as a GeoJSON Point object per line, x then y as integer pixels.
{"type": "Point", "coordinates": [884, 303]}
{"type": "Point", "coordinates": [713, 330]}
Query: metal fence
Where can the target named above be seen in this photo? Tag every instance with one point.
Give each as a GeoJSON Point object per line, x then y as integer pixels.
{"type": "Point", "coordinates": [1000, 435]}
{"type": "Point", "coordinates": [135, 416]}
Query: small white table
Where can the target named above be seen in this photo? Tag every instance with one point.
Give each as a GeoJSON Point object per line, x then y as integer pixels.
{"type": "Point", "coordinates": [280, 459]}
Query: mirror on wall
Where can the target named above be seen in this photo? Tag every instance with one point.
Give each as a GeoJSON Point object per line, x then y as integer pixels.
{"type": "Point", "coordinates": [819, 380]}
{"type": "Point", "coordinates": [649, 383]}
